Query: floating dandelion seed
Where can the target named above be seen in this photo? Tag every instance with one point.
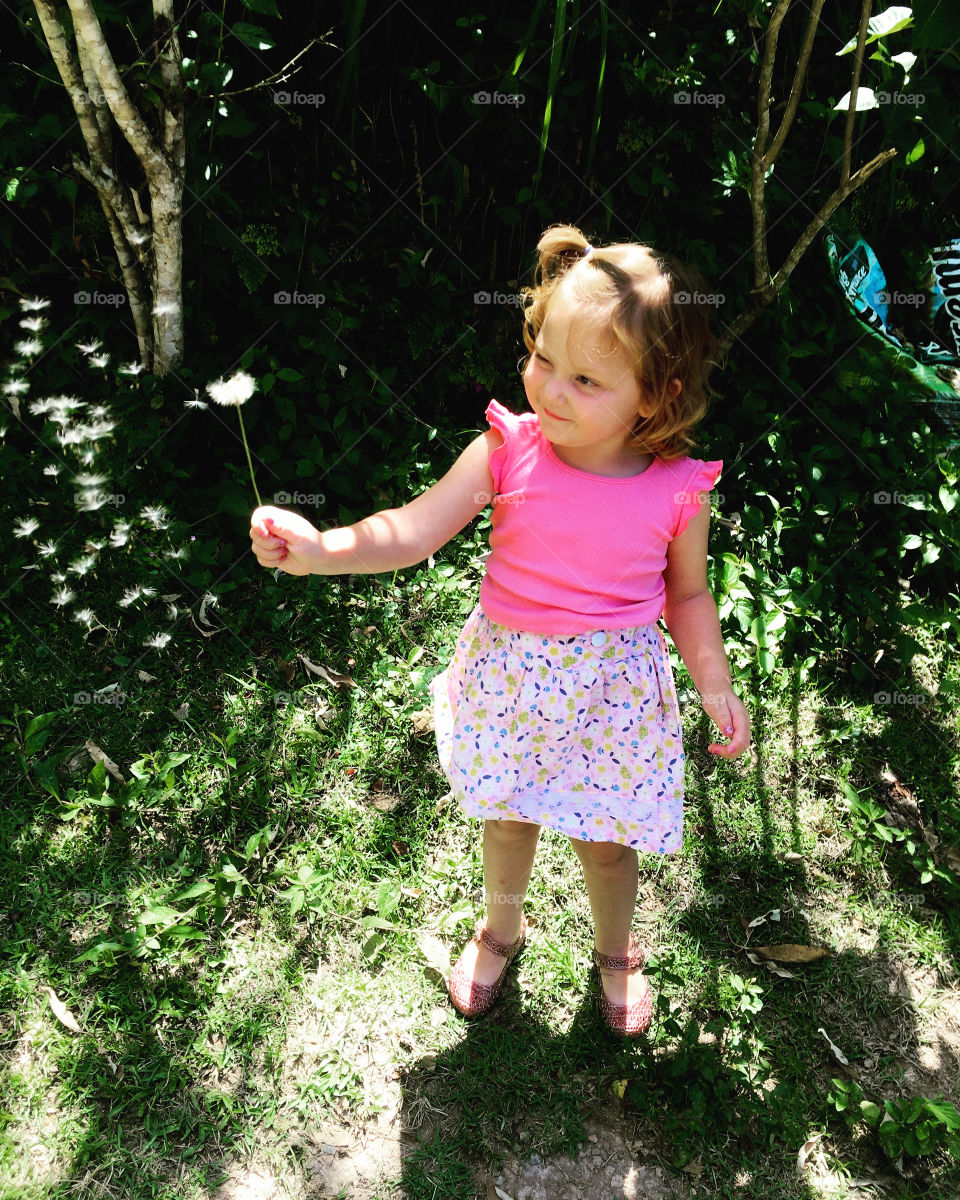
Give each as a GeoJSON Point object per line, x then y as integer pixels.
{"type": "Point", "coordinates": [91, 501]}
{"type": "Point", "coordinates": [33, 305]}
{"type": "Point", "coordinates": [59, 577]}
{"type": "Point", "coordinates": [175, 554]}
{"type": "Point", "coordinates": [28, 348]}
{"type": "Point", "coordinates": [61, 597]}
{"type": "Point", "coordinates": [82, 565]}
{"type": "Point", "coordinates": [165, 309]}
{"type": "Point", "coordinates": [195, 403]}
{"type": "Point", "coordinates": [120, 536]}
{"type": "Point", "coordinates": [45, 549]}
{"type": "Point", "coordinates": [155, 514]}
{"type": "Point", "coordinates": [98, 411]}
{"type": "Point", "coordinates": [137, 239]}
{"type": "Point", "coordinates": [89, 480]}
{"type": "Point", "coordinates": [234, 392]}
{"type": "Point", "coordinates": [16, 387]}
{"type": "Point", "coordinates": [148, 592]}
{"type": "Point", "coordinates": [33, 324]}
{"type": "Point", "coordinates": [86, 616]}
{"type": "Point", "coordinates": [25, 526]}
{"type": "Point", "coordinates": [158, 641]}
{"type": "Point", "coordinates": [87, 458]}
{"type": "Point", "coordinates": [88, 347]}
{"type": "Point", "coordinates": [133, 368]}
{"type": "Point", "coordinates": [129, 596]}
{"type": "Point", "coordinates": [99, 360]}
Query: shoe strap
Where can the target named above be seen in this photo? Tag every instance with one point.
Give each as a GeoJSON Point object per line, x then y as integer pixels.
{"type": "Point", "coordinates": [634, 959]}
{"type": "Point", "coordinates": [485, 938]}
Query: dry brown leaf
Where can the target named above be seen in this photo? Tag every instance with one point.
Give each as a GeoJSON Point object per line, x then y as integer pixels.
{"type": "Point", "coordinates": [695, 1168]}
{"type": "Point", "coordinates": [287, 670]}
{"type": "Point", "coordinates": [400, 848]}
{"type": "Point", "coordinates": [108, 764]}
{"type": "Point", "coordinates": [791, 952]}
{"type": "Point", "coordinates": [422, 721]}
{"type": "Point", "coordinates": [805, 1151]}
{"type": "Point", "coordinates": [205, 632]}
{"type": "Point", "coordinates": [146, 677]}
{"type": "Point", "coordinates": [61, 1012]}
{"type": "Point", "coordinates": [338, 681]}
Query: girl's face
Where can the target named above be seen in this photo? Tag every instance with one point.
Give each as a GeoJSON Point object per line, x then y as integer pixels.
{"type": "Point", "coordinates": [581, 385]}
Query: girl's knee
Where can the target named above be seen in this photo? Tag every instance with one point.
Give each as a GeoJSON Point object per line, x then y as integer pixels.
{"type": "Point", "coordinates": [512, 831]}
{"type": "Point", "coordinates": [602, 854]}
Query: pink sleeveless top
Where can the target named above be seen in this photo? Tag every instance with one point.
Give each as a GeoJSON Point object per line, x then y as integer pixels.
{"type": "Point", "coordinates": [572, 551]}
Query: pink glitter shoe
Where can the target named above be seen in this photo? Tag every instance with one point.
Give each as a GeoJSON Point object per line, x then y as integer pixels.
{"type": "Point", "coordinates": [626, 1020]}
{"type": "Point", "coordinates": [475, 999]}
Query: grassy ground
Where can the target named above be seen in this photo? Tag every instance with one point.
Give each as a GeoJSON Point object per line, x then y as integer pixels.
{"type": "Point", "coordinates": [251, 932]}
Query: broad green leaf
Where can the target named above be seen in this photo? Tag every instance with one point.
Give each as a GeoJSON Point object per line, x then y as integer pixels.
{"type": "Point", "coordinates": [890, 21]}
{"type": "Point", "coordinates": [200, 888]}
{"type": "Point", "coordinates": [253, 35]}
{"type": "Point", "coordinates": [388, 896]}
{"type": "Point", "coordinates": [915, 153]}
{"type": "Point", "coordinates": [435, 952]}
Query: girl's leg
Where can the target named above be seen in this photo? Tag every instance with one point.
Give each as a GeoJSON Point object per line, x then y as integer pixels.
{"type": "Point", "coordinates": [610, 872]}
{"type": "Point", "coordinates": [508, 852]}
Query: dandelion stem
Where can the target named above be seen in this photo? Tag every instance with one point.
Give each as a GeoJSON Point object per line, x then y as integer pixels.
{"type": "Point", "coordinates": [243, 434]}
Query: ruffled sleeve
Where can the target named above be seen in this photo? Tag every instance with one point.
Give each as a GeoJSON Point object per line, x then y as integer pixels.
{"type": "Point", "coordinates": [505, 423]}
{"type": "Point", "coordinates": [703, 478]}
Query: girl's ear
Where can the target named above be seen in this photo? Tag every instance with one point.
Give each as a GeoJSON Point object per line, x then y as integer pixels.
{"type": "Point", "coordinates": [676, 387]}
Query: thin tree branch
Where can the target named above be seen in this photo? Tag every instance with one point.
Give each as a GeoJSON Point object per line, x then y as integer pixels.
{"type": "Point", "coordinates": [854, 89]}
{"type": "Point", "coordinates": [761, 265]}
{"type": "Point", "coordinates": [797, 88]}
{"type": "Point", "coordinates": [279, 77]}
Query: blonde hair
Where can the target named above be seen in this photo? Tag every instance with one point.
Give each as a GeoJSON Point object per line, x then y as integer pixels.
{"type": "Point", "coordinates": [637, 289]}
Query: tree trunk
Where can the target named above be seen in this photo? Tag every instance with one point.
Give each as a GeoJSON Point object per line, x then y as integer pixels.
{"type": "Point", "coordinates": [149, 246]}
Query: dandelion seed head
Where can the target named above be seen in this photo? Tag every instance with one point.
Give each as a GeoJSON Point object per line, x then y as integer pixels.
{"type": "Point", "coordinates": [133, 368]}
{"type": "Point", "coordinates": [62, 596]}
{"type": "Point", "coordinates": [175, 554]}
{"type": "Point", "coordinates": [33, 304]}
{"type": "Point", "coordinates": [196, 403]}
{"type": "Point", "coordinates": [99, 360]}
{"type": "Point", "coordinates": [235, 390]}
{"type": "Point", "coordinates": [29, 347]}
{"type": "Point", "coordinates": [82, 565]}
{"type": "Point", "coordinates": [15, 387]}
{"type": "Point", "coordinates": [33, 324]}
{"type": "Point", "coordinates": [58, 577]}
{"type": "Point", "coordinates": [85, 616]}
{"type": "Point", "coordinates": [155, 514]}
{"type": "Point", "coordinates": [129, 596]}
{"type": "Point", "coordinates": [88, 347]}
{"type": "Point", "coordinates": [158, 641]}
{"type": "Point", "coordinates": [45, 549]}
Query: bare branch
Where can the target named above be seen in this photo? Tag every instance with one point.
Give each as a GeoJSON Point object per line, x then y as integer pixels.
{"type": "Point", "coordinates": [761, 265]}
{"type": "Point", "coordinates": [132, 126]}
{"type": "Point", "coordinates": [66, 64]}
{"type": "Point", "coordinates": [797, 88]}
{"type": "Point", "coordinates": [280, 76]}
{"type": "Point", "coordinates": [854, 89]}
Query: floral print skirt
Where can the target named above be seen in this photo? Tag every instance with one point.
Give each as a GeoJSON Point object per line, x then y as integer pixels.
{"type": "Point", "coordinates": [580, 733]}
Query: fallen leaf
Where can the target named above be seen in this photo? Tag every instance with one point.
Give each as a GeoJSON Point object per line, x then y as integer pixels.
{"type": "Point", "coordinates": [208, 599]}
{"type": "Point", "coordinates": [695, 1168]}
{"type": "Point", "coordinates": [205, 632]}
{"type": "Point", "coordinates": [789, 856]}
{"type": "Point", "coordinates": [836, 1049]}
{"type": "Point", "coordinates": [330, 676]}
{"type": "Point", "coordinates": [98, 756]}
{"type": "Point", "coordinates": [422, 721]}
{"type": "Point", "coordinates": [619, 1087]}
{"type": "Point", "coordinates": [61, 1012]}
{"type": "Point", "coordinates": [791, 952]}
{"type": "Point", "coordinates": [435, 952]}
{"type": "Point", "coordinates": [146, 677]}
{"type": "Point", "coordinates": [400, 848]}
{"type": "Point", "coordinates": [772, 967]}
{"type": "Point", "coordinates": [182, 711]}
{"type": "Point", "coordinates": [287, 670]}
{"type": "Point", "coordinates": [805, 1150]}
{"type": "Point", "coordinates": [773, 914]}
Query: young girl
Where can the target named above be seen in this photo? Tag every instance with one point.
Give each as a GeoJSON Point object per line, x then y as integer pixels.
{"type": "Point", "coordinates": [559, 706]}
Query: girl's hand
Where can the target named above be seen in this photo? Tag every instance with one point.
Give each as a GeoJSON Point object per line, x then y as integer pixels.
{"type": "Point", "coordinates": [726, 708]}
{"type": "Point", "coordinates": [285, 540]}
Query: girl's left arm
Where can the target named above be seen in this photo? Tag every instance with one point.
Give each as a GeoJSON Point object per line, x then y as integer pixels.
{"type": "Point", "coordinates": [691, 617]}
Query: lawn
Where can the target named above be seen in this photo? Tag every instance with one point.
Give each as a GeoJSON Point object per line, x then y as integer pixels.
{"type": "Point", "coordinates": [223, 976]}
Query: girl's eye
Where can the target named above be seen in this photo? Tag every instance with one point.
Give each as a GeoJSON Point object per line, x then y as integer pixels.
{"type": "Point", "coordinates": [586, 380]}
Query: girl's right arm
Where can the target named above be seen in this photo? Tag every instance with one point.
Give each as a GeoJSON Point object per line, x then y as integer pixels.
{"type": "Point", "coordinates": [387, 540]}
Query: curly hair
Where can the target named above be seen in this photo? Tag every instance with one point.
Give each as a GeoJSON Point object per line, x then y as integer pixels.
{"type": "Point", "coordinates": [649, 302]}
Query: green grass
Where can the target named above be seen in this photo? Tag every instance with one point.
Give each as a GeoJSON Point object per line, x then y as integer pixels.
{"type": "Point", "coordinates": [267, 896]}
